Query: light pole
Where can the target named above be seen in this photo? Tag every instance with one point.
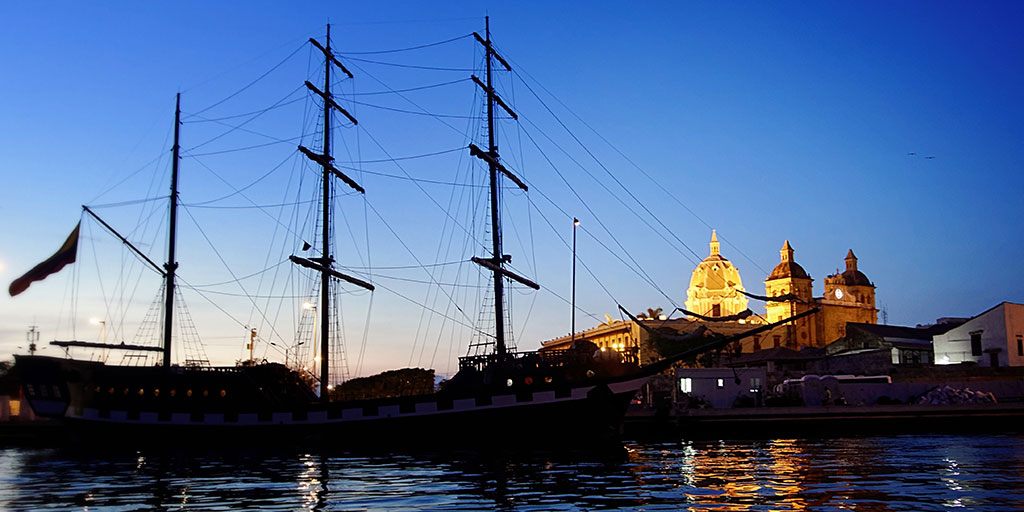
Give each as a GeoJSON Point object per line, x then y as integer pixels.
{"type": "Point", "coordinates": [575, 224]}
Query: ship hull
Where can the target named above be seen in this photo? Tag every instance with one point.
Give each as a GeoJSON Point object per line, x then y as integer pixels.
{"type": "Point", "coordinates": [94, 401]}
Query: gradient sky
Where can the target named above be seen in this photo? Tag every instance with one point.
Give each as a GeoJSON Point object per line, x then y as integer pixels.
{"type": "Point", "coordinates": [771, 121]}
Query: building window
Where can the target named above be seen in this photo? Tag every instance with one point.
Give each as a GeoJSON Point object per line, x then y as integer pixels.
{"type": "Point", "coordinates": [776, 340]}
{"type": "Point", "coordinates": [685, 384]}
{"type": "Point", "coordinates": [1020, 345]}
{"type": "Point", "coordinates": [755, 384]}
{"type": "Point", "coordinates": [976, 343]}
{"type": "Point", "coordinates": [720, 383]}
{"type": "Point", "coordinates": [716, 310]}
{"type": "Point", "coordinates": [757, 343]}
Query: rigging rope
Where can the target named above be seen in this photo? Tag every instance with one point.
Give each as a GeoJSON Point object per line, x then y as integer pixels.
{"type": "Point", "coordinates": [428, 45]}
{"type": "Point", "coordinates": [250, 84]}
{"type": "Point", "coordinates": [411, 89]}
{"type": "Point", "coordinates": [633, 163]}
{"type": "Point", "coordinates": [409, 66]}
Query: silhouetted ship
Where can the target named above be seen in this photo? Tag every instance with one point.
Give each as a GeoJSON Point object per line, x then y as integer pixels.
{"type": "Point", "coordinates": [567, 396]}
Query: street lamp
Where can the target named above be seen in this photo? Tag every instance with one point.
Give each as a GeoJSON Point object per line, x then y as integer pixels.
{"type": "Point", "coordinates": [575, 224]}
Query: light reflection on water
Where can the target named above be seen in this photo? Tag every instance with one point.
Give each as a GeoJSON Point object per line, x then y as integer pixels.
{"type": "Point", "coordinates": [868, 473]}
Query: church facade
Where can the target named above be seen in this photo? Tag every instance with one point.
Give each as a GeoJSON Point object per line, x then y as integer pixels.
{"type": "Point", "coordinates": [716, 290]}
{"type": "Point", "coordinates": [715, 286]}
{"type": "Point", "coordinates": [716, 300]}
{"type": "Point", "coordinates": [849, 297]}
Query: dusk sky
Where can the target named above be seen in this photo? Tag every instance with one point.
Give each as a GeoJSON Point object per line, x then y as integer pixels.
{"type": "Point", "coordinates": [892, 129]}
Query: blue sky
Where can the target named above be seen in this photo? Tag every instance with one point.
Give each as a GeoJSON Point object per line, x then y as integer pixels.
{"type": "Point", "coordinates": [771, 121]}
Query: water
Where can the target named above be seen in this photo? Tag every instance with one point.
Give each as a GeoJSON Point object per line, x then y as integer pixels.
{"type": "Point", "coordinates": [865, 473]}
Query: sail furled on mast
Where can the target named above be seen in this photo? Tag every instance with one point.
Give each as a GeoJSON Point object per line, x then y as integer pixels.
{"type": "Point", "coordinates": [63, 257]}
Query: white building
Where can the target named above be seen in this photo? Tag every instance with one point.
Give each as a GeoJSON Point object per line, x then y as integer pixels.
{"type": "Point", "coordinates": [721, 387]}
{"type": "Point", "coordinates": [993, 338]}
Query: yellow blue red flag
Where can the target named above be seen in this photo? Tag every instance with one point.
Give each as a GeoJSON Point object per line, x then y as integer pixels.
{"type": "Point", "coordinates": [64, 256]}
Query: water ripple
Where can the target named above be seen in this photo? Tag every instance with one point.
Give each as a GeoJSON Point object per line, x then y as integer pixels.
{"type": "Point", "coordinates": [916, 473]}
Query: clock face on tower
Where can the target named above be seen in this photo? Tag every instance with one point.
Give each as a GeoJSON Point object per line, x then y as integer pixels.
{"type": "Point", "coordinates": [839, 293]}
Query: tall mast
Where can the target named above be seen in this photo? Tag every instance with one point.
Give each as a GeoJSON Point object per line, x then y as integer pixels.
{"type": "Point", "coordinates": [492, 147]}
{"type": "Point", "coordinates": [324, 263]}
{"type": "Point", "coordinates": [325, 278]}
{"type": "Point", "coordinates": [172, 230]}
{"type": "Point", "coordinates": [497, 260]}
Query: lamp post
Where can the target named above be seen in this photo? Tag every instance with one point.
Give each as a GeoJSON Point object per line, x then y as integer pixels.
{"type": "Point", "coordinates": [575, 224]}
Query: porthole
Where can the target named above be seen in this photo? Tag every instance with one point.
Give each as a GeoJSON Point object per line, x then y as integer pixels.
{"type": "Point", "coordinates": [206, 393]}
{"type": "Point", "coordinates": [174, 392]}
{"type": "Point", "coordinates": [156, 392]}
{"type": "Point", "coordinates": [188, 393]}
{"type": "Point", "coordinates": [223, 393]}
{"type": "Point", "coordinates": [142, 391]}
{"type": "Point", "coordinates": [508, 382]}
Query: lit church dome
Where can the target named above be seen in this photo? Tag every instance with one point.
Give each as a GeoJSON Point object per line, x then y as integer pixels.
{"type": "Point", "coordinates": [715, 286]}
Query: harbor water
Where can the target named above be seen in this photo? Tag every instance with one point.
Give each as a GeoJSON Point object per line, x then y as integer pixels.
{"type": "Point", "coordinates": [927, 472]}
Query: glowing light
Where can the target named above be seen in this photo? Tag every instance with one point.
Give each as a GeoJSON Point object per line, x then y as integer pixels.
{"type": "Point", "coordinates": [308, 306]}
{"type": "Point", "coordinates": [317, 359]}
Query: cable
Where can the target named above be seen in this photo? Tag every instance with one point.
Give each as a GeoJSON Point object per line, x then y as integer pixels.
{"type": "Point", "coordinates": [403, 111]}
{"type": "Point", "coordinates": [409, 66]}
{"type": "Point", "coordinates": [250, 84]}
{"type": "Point", "coordinates": [411, 89]}
{"type": "Point", "coordinates": [428, 45]}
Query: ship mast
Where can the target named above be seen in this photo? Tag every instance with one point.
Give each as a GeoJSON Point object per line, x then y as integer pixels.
{"type": "Point", "coordinates": [324, 263]}
{"type": "Point", "coordinates": [497, 260]}
{"type": "Point", "coordinates": [325, 278]}
{"type": "Point", "coordinates": [172, 230]}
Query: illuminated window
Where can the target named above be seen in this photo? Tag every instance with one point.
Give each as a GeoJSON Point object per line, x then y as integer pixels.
{"type": "Point", "coordinates": [685, 384]}
{"type": "Point", "coordinates": [720, 383]}
{"type": "Point", "coordinates": [976, 343]}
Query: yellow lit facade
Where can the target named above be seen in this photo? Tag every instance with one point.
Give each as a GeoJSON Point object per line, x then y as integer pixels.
{"type": "Point", "coordinates": [715, 285]}
{"type": "Point", "coordinates": [714, 292]}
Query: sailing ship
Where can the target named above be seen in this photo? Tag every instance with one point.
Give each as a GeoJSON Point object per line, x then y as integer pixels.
{"type": "Point", "coordinates": [578, 394]}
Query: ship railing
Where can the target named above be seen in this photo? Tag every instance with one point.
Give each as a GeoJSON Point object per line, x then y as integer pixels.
{"type": "Point", "coordinates": [557, 357]}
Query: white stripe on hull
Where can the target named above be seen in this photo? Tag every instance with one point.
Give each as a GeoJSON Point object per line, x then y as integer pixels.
{"type": "Point", "coordinates": [353, 414]}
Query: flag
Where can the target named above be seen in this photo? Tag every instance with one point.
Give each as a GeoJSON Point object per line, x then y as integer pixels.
{"type": "Point", "coordinates": [52, 265]}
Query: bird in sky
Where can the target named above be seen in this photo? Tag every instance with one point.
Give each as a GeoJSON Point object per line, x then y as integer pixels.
{"type": "Point", "coordinates": [911, 153]}
{"type": "Point", "coordinates": [929, 157]}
